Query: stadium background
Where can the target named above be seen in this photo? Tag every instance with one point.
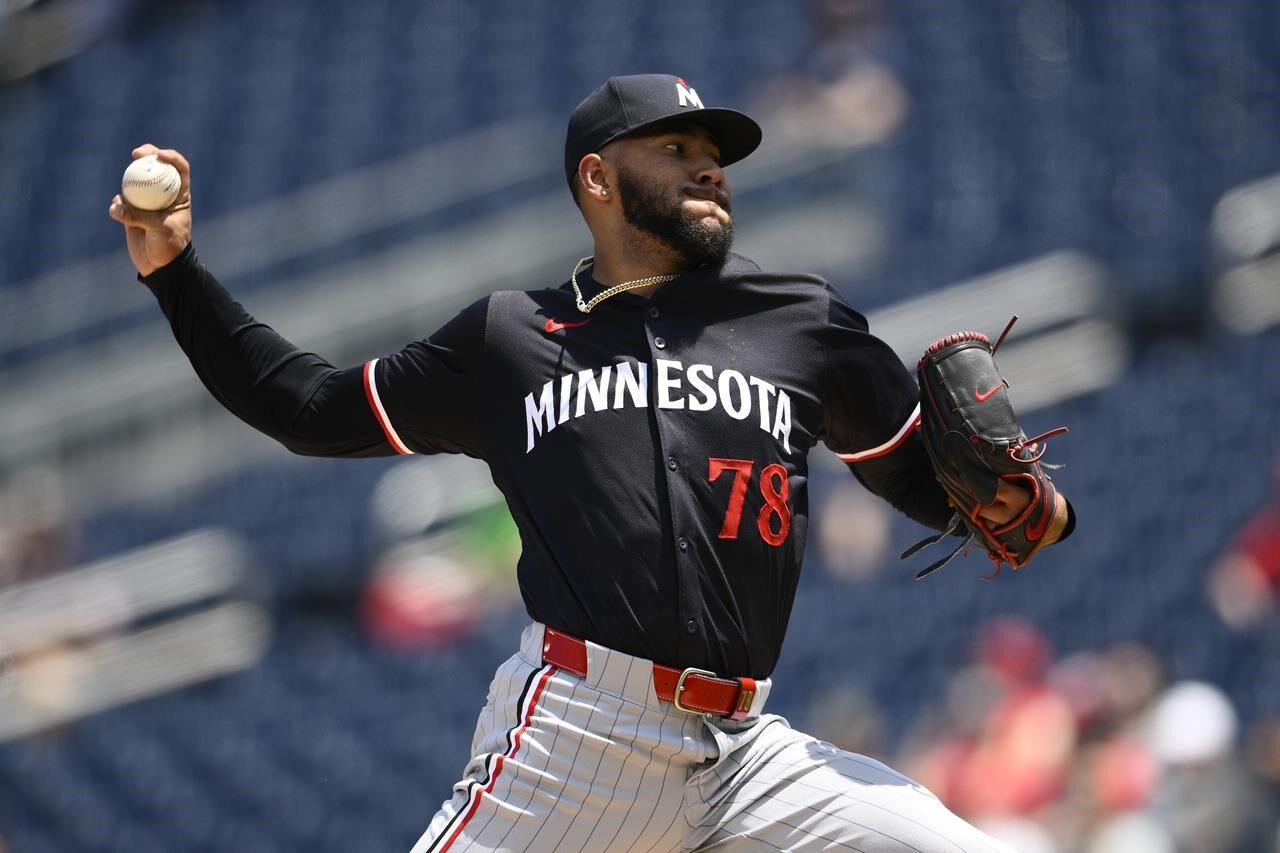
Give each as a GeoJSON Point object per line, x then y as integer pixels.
{"type": "Point", "coordinates": [206, 644]}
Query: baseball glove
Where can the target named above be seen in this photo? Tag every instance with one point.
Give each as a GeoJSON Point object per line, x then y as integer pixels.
{"type": "Point", "coordinates": [974, 441]}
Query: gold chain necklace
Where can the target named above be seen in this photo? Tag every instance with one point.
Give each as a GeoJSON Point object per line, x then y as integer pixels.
{"type": "Point", "coordinates": [585, 307]}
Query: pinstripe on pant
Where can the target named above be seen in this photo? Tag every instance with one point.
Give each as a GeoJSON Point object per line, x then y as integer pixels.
{"type": "Point", "coordinates": [564, 763]}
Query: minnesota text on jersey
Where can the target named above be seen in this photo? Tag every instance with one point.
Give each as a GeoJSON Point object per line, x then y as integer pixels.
{"type": "Point", "coordinates": [570, 395]}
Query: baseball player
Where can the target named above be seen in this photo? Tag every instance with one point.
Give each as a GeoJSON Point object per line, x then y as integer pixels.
{"type": "Point", "coordinates": [648, 422]}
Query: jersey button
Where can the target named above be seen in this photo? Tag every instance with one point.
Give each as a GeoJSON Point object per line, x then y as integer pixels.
{"type": "Point", "coordinates": [683, 544]}
{"type": "Point", "coordinates": [671, 462]}
{"type": "Point", "coordinates": [660, 343]}
{"type": "Point", "coordinates": [691, 626]}
{"type": "Point", "coordinates": [654, 313]}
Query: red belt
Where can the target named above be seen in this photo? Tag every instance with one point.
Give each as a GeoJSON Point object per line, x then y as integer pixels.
{"type": "Point", "coordinates": [694, 691]}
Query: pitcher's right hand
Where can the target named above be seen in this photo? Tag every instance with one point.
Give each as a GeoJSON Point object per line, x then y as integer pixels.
{"type": "Point", "coordinates": [155, 238]}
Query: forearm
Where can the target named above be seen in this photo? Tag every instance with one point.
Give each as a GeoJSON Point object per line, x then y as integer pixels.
{"type": "Point", "coordinates": [293, 396]}
{"type": "Point", "coordinates": [905, 479]}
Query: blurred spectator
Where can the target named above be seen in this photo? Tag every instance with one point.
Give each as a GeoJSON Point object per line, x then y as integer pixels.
{"type": "Point", "coordinates": [418, 597]}
{"type": "Point", "coordinates": [847, 96]}
{"type": "Point", "coordinates": [1013, 651]}
{"type": "Point", "coordinates": [1123, 775]}
{"type": "Point", "coordinates": [1081, 680]}
{"type": "Point", "coordinates": [849, 719]}
{"type": "Point", "coordinates": [38, 534]}
{"type": "Point", "coordinates": [853, 531]}
{"type": "Point", "coordinates": [451, 555]}
{"type": "Point", "coordinates": [1089, 755]}
{"type": "Point", "coordinates": [1206, 799]}
{"type": "Point", "coordinates": [1133, 678]}
{"type": "Point", "coordinates": [1263, 755]}
{"type": "Point", "coordinates": [1009, 752]}
{"type": "Point", "coordinates": [1113, 775]}
{"type": "Point", "coordinates": [1242, 585]}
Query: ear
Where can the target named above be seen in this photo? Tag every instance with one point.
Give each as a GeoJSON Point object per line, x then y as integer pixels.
{"type": "Point", "coordinates": [594, 178]}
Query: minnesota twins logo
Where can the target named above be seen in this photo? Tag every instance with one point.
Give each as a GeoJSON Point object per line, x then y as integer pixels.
{"type": "Point", "coordinates": [687, 94]}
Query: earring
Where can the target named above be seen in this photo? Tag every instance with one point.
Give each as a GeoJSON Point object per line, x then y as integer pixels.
{"type": "Point", "coordinates": [604, 192]}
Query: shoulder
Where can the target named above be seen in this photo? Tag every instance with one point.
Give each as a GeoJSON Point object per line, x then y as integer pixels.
{"type": "Point", "coordinates": [742, 271]}
{"type": "Point", "coordinates": [814, 290]}
{"type": "Point", "coordinates": [510, 318]}
{"type": "Point", "coordinates": [505, 305]}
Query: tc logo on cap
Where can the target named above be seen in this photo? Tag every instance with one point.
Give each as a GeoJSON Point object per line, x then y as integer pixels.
{"type": "Point", "coordinates": [687, 94]}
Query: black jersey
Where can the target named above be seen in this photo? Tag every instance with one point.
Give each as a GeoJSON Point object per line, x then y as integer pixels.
{"type": "Point", "coordinates": [653, 452]}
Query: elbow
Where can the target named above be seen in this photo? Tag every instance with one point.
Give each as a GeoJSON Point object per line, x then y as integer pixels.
{"type": "Point", "coordinates": [307, 443]}
{"type": "Point", "coordinates": [333, 419]}
{"type": "Point", "coordinates": [290, 441]}
{"type": "Point", "coordinates": [301, 444]}
{"type": "Point", "coordinates": [298, 448]}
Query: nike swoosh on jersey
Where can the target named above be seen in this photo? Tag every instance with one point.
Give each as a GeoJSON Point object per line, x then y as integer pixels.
{"type": "Point", "coordinates": [554, 325]}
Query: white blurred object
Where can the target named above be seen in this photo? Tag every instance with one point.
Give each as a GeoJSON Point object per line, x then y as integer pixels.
{"type": "Point", "coordinates": [111, 593]}
{"type": "Point", "coordinates": [122, 629]}
{"type": "Point", "coordinates": [63, 683]}
{"type": "Point", "coordinates": [422, 491]}
{"type": "Point", "coordinates": [1193, 723]}
{"type": "Point", "coordinates": [1247, 299]}
{"type": "Point", "coordinates": [1062, 345]}
{"type": "Point", "coordinates": [1246, 229]}
{"type": "Point", "coordinates": [1130, 833]}
{"type": "Point", "coordinates": [35, 35]}
{"type": "Point", "coordinates": [1022, 835]}
{"type": "Point", "coordinates": [1246, 221]}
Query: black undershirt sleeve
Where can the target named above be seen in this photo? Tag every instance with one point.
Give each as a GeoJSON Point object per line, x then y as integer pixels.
{"type": "Point", "coordinates": [869, 400]}
{"type": "Point", "coordinates": [905, 479]}
{"type": "Point", "coordinates": [293, 396]}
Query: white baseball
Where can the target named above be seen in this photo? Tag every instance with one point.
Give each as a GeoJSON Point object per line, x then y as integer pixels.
{"type": "Point", "coordinates": [150, 184]}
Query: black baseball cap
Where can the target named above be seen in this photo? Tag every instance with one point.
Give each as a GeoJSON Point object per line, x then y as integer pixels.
{"type": "Point", "coordinates": [625, 105]}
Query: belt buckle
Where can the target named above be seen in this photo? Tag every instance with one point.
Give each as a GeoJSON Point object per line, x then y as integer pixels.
{"type": "Point", "coordinates": [675, 699]}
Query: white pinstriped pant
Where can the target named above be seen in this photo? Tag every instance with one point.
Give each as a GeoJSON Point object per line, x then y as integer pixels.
{"type": "Point", "coordinates": [563, 763]}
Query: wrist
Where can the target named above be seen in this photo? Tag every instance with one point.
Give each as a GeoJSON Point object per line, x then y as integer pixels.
{"type": "Point", "coordinates": [1063, 521]}
{"type": "Point", "coordinates": [183, 261]}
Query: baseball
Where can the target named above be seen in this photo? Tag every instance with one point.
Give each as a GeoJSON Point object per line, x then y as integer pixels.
{"type": "Point", "coordinates": [150, 184]}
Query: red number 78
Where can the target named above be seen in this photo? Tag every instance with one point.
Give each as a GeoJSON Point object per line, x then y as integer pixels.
{"type": "Point", "coordinates": [774, 488]}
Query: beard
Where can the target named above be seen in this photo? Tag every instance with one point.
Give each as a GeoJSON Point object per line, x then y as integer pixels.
{"type": "Point", "coordinates": [646, 206]}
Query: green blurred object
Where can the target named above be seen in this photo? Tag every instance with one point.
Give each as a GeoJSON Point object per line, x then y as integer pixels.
{"type": "Point", "coordinates": [489, 540]}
